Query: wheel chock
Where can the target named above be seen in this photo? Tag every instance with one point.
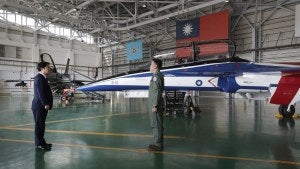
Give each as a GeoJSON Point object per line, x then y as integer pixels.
{"type": "Point", "coordinates": [278, 116]}
{"type": "Point", "coordinates": [295, 116]}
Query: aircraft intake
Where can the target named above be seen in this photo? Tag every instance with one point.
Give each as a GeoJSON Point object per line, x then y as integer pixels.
{"type": "Point", "coordinates": [228, 84]}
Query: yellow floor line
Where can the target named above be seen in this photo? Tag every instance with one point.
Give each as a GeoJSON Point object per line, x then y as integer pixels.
{"type": "Point", "coordinates": [166, 153]}
{"type": "Point", "coordinates": [75, 119]}
{"type": "Point", "coordinates": [93, 133]}
{"type": "Point", "coordinates": [232, 158]}
{"type": "Point", "coordinates": [29, 110]}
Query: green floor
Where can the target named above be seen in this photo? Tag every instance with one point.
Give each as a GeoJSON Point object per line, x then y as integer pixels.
{"type": "Point", "coordinates": [227, 134]}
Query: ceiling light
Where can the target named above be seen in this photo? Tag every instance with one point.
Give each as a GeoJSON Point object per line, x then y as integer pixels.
{"type": "Point", "coordinates": [144, 5]}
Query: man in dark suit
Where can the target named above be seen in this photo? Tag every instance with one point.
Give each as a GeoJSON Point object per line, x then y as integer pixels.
{"type": "Point", "coordinates": [41, 103]}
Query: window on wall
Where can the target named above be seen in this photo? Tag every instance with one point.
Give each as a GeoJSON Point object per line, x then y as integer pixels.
{"type": "Point", "coordinates": [1, 15]}
{"type": "Point", "coordinates": [30, 22]}
{"type": "Point", "coordinates": [57, 30]}
{"type": "Point", "coordinates": [44, 26]}
{"type": "Point", "coordinates": [66, 32]}
{"type": "Point", "coordinates": [24, 20]}
{"type": "Point", "coordinates": [11, 17]}
{"type": "Point", "coordinates": [51, 29]}
{"type": "Point", "coordinates": [18, 19]}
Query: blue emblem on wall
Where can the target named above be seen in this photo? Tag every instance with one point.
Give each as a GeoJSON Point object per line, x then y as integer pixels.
{"type": "Point", "coordinates": [134, 50]}
{"type": "Point", "coordinates": [199, 83]}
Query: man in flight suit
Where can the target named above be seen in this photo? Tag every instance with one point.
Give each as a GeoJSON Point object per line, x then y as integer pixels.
{"type": "Point", "coordinates": [156, 104]}
{"type": "Point", "coordinates": [41, 103]}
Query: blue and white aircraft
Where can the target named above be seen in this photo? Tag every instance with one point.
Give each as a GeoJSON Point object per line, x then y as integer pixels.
{"type": "Point", "coordinates": [279, 83]}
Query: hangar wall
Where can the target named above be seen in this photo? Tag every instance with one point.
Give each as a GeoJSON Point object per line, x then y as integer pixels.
{"type": "Point", "coordinates": [266, 34]}
{"type": "Point", "coordinates": [263, 31]}
{"type": "Point", "coordinates": [20, 50]}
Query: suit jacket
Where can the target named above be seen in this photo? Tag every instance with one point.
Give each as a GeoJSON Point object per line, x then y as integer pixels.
{"type": "Point", "coordinates": [42, 93]}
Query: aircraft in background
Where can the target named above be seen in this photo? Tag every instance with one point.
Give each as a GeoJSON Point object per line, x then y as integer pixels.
{"type": "Point", "coordinates": [277, 82]}
{"type": "Point", "coordinates": [20, 83]}
{"type": "Point", "coordinates": [63, 84]}
{"type": "Point", "coordinates": [59, 81]}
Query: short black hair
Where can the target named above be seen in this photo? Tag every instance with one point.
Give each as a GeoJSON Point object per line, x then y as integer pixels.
{"type": "Point", "coordinates": [158, 62]}
{"type": "Point", "coordinates": [42, 65]}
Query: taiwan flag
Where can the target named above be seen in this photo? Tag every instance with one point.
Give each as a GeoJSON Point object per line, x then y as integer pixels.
{"type": "Point", "coordinates": [210, 27]}
{"type": "Point", "coordinates": [187, 29]}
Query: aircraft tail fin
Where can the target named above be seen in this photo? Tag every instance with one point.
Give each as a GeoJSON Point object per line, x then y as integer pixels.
{"type": "Point", "coordinates": [286, 91]}
{"type": "Point", "coordinates": [67, 67]}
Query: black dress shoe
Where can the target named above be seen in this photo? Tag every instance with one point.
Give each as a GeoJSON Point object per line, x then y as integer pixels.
{"type": "Point", "coordinates": [153, 147]}
{"type": "Point", "coordinates": [43, 148]}
{"type": "Point", "coordinates": [48, 144]}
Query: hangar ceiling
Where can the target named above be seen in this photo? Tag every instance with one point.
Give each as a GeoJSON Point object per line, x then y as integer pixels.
{"type": "Point", "coordinates": [109, 20]}
{"type": "Point", "coordinates": [117, 21]}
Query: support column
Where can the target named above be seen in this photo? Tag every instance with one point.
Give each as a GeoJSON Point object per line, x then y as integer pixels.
{"type": "Point", "coordinates": [35, 52]}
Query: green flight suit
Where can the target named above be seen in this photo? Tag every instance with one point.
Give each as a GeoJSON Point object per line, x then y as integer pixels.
{"type": "Point", "coordinates": [156, 99]}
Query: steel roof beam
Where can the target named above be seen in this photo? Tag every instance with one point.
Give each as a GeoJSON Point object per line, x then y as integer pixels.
{"type": "Point", "coordinates": [210, 3]}
{"type": "Point", "coordinates": [46, 13]}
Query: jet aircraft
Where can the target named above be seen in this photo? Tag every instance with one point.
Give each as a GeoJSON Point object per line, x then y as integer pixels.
{"type": "Point", "coordinates": [277, 82]}
{"type": "Point", "coordinates": [59, 81]}
{"type": "Point", "coordinates": [62, 82]}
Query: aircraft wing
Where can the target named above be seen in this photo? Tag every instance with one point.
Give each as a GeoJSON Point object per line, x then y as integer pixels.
{"type": "Point", "coordinates": [218, 76]}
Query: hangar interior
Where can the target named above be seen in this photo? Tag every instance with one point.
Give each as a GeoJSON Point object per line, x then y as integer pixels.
{"type": "Point", "coordinates": [230, 132]}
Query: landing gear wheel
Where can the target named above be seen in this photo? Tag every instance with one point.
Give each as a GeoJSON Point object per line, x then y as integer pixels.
{"type": "Point", "coordinates": [283, 110]}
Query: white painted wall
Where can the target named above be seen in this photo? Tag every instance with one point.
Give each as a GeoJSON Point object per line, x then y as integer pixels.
{"type": "Point", "coordinates": [10, 51]}
{"type": "Point", "coordinates": [22, 50]}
